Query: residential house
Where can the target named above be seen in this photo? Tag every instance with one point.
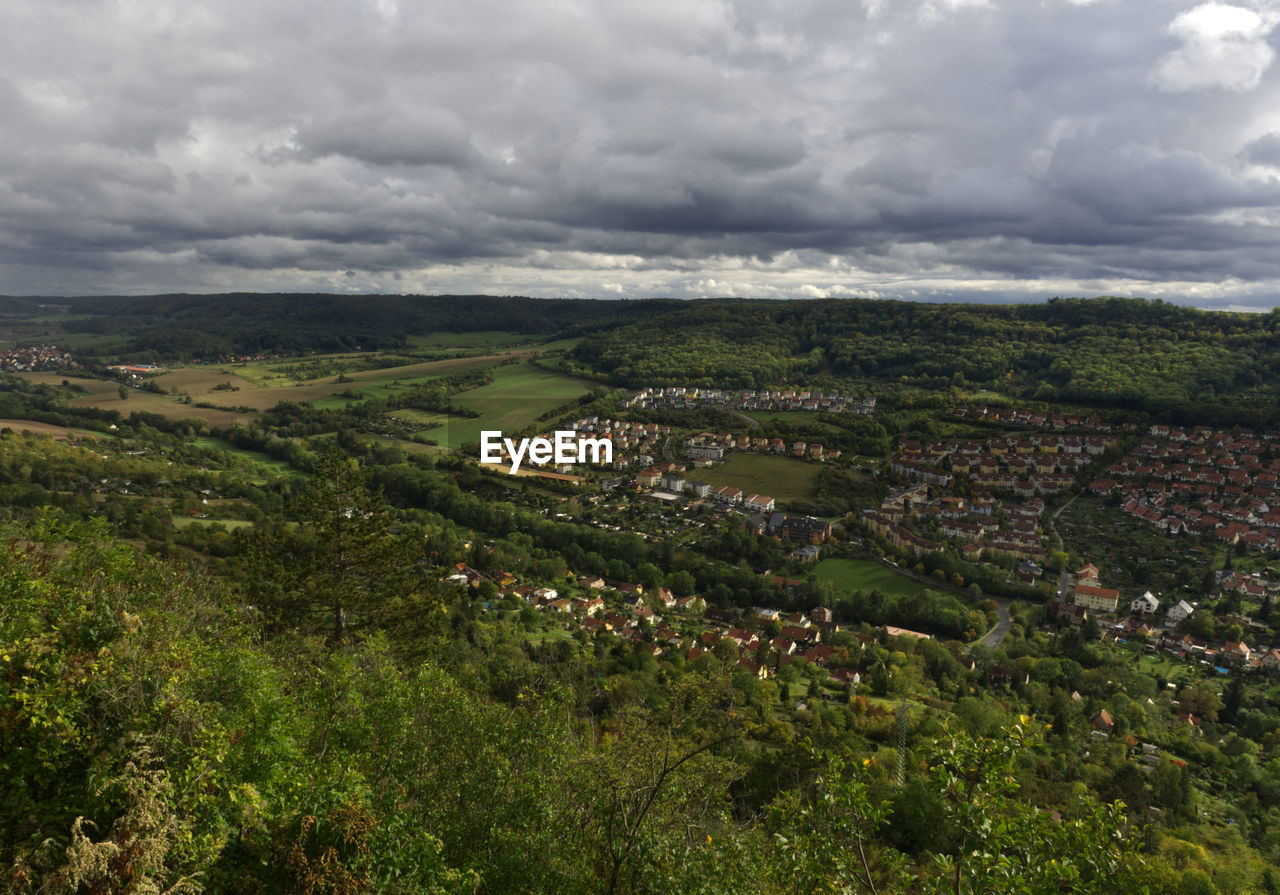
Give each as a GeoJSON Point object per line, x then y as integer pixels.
{"type": "Point", "coordinates": [1147, 604]}
{"type": "Point", "coordinates": [1099, 599]}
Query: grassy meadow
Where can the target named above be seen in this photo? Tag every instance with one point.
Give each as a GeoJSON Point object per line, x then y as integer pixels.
{"type": "Point", "coordinates": [865, 574]}
{"type": "Point", "coordinates": [518, 395]}
{"type": "Point", "coordinates": [782, 478]}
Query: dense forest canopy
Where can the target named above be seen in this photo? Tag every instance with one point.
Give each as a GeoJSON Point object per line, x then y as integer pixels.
{"type": "Point", "coordinates": [185, 326]}
{"type": "Point", "coordinates": [1119, 352]}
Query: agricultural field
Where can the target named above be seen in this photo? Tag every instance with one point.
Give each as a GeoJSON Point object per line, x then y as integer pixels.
{"type": "Point", "coordinates": [518, 395]}
{"type": "Point", "coordinates": [181, 521]}
{"type": "Point", "coordinates": [782, 478]}
{"type": "Point", "coordinates": [261, 393]}
{"type": "Point", "coordinates": [865, 574]}
{"type": "Point", "coordinates": [58, 433]}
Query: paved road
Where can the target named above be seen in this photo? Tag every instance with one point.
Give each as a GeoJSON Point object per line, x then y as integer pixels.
{"type": "Point", "coordinates": [751, 424]}
{"type": "Point", "coordinates": [666, 449]}
{"type": "Point", "coordinates": [995, 636]}
{"type": "Point", "coordinates": [992, 638]}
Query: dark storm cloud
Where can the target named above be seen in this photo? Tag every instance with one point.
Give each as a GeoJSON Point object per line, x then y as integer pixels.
{"type": "Point", "coordinates": [920, 148]}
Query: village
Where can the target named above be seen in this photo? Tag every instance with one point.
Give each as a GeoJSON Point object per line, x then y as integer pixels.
{"type": "Point", "coordinates": [36, 358]}
{"type": "Point", "coordinates": [762, 641]}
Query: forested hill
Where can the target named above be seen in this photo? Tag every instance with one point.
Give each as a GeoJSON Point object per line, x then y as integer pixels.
{"type": "Point", "coordinates": [1120, 352]}
{"type": "Point", "coordinates": [184, 326]}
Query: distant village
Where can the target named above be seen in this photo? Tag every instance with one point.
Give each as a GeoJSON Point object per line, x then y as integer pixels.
{"type": "Point", "coordinates": [37, 358]}
{"type": "Point", "coordinates": [1039, 463]}
{"type": "Point", "coordinates": [1037, 419]}
{"type": "Point", "coordinates": [691, 397]}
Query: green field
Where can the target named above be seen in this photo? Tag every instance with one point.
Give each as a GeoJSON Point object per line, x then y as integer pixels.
{"type": "Point", "coordinates": [228, 524]}
{"type": "Point", "coordinates": [782, 478]}
{"type": "Point", "coordinates": [258, 462]}
{"type": "Point", "coordinates": [809, 420]}
{"type": "Point", "coordinates": [864, 574]}
{"type": "Point", "coordinates": [518, 395]}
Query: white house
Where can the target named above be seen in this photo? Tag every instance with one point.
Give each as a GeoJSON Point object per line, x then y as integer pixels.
{"type": "Point", "coordinates": [1179, 612]}
{"type": "Point", "coordinates": [1147, 604]}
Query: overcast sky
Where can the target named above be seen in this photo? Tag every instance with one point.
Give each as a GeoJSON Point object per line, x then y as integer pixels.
{"type": "Point", "coordinates": [995, 149]}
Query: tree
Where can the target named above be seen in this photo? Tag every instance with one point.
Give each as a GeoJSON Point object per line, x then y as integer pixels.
{"type": "Point", "coordinates": [987, 840]}
{"type": "Point", "coordinates": [344, 567]}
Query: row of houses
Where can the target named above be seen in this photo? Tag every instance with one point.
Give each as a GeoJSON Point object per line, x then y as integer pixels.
{"type": "Point", "coordinates": [805, 401]}
{"type": "Point", "coordinates": [982, 525]}
{"type": "Point", "coordinates": [678, 397]}
{"type": "Point", "coordinates": [1039, 464]}
{"type": "Point", "coordinates": [714, 447]}
{"type": "Point", "coordinates": [1015, 416]}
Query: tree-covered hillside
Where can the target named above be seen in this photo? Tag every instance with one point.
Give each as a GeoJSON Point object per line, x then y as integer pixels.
{"type": "Point", "coordinates": [153, 739]}
{"type": "Point", "coordinates": [185, 326]}
{"type": "Point", "coordinates": [1124, 353]}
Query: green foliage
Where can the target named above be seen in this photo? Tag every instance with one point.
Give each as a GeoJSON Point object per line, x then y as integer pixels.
{"type": "Point", "coordinates": [1124, 353]}
{"type": "Point", "coordinates": [988, 841]}
{"type": "Point", "coordinates": [344, 568]}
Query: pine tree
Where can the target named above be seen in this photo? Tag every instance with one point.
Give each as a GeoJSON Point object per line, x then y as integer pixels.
{"type": "Point", "coordinates": [345, 567]}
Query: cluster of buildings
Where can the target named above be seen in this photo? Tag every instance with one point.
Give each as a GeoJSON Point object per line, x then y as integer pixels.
{"type": "Point", "coordinates": [977, 526]}
{"type": "Point", "coordinates": [634, 444]}
{"type": "Point", "coordinates": [632, 614]}
{"type": "Point", "coordinates": [680, 397]}
{"type": "Point", "coordinates": [34, 358]}
{"type": "Point", "coordinates": [1015, 416]}
{"type": "Point", "coordinates": [1040, 463]}
{"type": "Point", "coordinates": [708, 448]}
{"type": "Point", "coordinates": [805, 401]}
{"type": "Point", "coordinates": [1202, 481]}
{"type": "Point", "coordinates": [1085, 596]}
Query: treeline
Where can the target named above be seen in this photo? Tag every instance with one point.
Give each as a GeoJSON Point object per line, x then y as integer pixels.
{"type": "Point", "coordinates": [1130, 354]}
{"type": "Point", "coordinates": [165, 327]}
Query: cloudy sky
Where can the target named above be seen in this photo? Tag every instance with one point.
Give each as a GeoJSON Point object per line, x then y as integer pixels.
{"type": "Point", "coordinates": [995, 149]}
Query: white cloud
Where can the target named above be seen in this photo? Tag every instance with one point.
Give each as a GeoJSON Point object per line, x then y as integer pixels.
{"type": "Point", "coordinates": [1223, 46]}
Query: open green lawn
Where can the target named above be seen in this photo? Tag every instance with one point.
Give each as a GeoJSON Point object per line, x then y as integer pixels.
{"type": "Point", "coordinates": [864, 574]}
{"type": "Point", "coordinates": [257, 460]}
{"type": "Point", "coordinates": [782, 478]}
{"type": "Point", "coordinates": [518, 395]}
{"type": "Point", "coordinates": [228, 524]}
{"type": "Point", "coordinates": [809, 420]}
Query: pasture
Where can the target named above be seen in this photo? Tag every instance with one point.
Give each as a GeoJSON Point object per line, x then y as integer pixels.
{"type": "Point", "coordinates": [782, 478]}
{"type": "Point", "coordinates": [58, 433]}
{"type": "Point", "coordinates": [864, 574]}
{"type": "Point", "coordinates": [518, 395]}
{"type": "Point", "coordinates": [259, 393]}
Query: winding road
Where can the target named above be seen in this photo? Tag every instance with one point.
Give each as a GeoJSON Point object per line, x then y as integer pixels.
{"type": "Point", "coordinates": [992, 638]}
